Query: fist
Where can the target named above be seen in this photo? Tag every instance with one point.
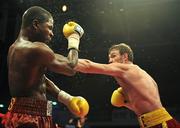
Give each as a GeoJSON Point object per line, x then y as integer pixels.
{"type": "Point", "coordinates": [79, 106]}
{"type": "Point", "coordinates": [72, 27]}
{"type": "Point", "coordinates": [117, 98]}
{"type": "Point", "coordinates": [72, 31]}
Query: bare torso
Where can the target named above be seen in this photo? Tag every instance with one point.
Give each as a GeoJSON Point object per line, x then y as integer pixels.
{"type": "Point", "coordinates": [25, 71]}
{"type": "Point", "coordinates": [140, 90]}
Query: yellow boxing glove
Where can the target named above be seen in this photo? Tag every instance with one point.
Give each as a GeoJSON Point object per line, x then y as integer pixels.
{"type": "Point", "coordinates": [76, 104]}
{"type": "Point", "coordinates": [117, 98]}
{"type": "Point", "coordinates": [73, 32]}
{"type": "Point", "coordinates": [79, 106]}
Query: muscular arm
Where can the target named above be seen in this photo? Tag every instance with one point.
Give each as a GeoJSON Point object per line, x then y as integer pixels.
{"type": "Point", "coordinates": [51, 88]}
{"type": "Point", "coordinates": [76, 104]}
{"type": "Point", "coordinates": [71, 59]}
{"type": "Point", "coordinates": [56, 62]}
{"type": "Point", "coordinates": [113, 69]}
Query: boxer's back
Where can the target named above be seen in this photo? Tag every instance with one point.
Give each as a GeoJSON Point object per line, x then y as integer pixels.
{"type": "Point", "coordinates": [25, 70]}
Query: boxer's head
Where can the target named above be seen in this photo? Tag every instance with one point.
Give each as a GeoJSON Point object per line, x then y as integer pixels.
{"type": "Point", "coordinates": [39, 22]}
{"type": "Point", "coordinates": [120, 53]}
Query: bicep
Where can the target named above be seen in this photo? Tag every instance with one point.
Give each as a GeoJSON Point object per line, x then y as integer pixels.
{"type": "Point", "coordinates": [61, 58]}
{"type": "Point", "coordinates": [60, 67]}
{"type": "Point", "coordinates": [57, 63]}
{"type": "Point", "coordinates": [54, 62]}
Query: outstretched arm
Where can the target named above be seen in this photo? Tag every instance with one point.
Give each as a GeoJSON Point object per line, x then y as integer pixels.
{"type": "Point", "coordinates": [113, 69]}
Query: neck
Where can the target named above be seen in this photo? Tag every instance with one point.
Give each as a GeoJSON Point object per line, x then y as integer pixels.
{"type": "Point", "coordinates": [26, 34]}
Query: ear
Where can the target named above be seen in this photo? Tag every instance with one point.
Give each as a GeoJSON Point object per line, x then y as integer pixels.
{"type": "Point", "coordinates": [125, 56]}
{"type": "Point", "coordinates": [35, 24]}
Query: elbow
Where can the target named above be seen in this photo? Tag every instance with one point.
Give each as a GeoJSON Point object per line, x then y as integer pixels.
{"type": "Point", "coordinates": [72, 73]}
{"type": "Point", "coordinates": [73, 64]}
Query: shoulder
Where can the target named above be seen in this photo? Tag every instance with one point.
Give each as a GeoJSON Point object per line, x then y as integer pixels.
{"type": "Point", "coordinates": [31, 46]}
{"type": "Point", "coordinates": [41, 50]}
{"type": "Point", "coordinates": [124, 67]}
{"type": "Point", "coordinates": [41, 47]}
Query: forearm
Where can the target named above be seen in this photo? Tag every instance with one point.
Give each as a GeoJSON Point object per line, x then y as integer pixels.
{"type": "Point", "coordinates": [73, 57]}
{"type": "Point", "coordinates": [51, 88]}
{"type": "Point", "coordinates": [73, 32]}
{"type": "Point", "coordinates": [77, 105]}
{"type": "Point", "coordinates": [87, 66]}
{"type": "Point", "coordinates": [57, 93]}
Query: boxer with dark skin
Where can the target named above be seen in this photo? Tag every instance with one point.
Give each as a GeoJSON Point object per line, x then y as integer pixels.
{"type": "Point", "coordinates": [29, 58]}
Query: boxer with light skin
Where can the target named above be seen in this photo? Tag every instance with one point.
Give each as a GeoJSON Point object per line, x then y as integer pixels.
{"type": "Point", "coordinates": [138, 91]}
{"type": "Point", "coordinates": [29, 58]}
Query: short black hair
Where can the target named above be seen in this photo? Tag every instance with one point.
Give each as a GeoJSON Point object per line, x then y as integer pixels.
{"type": "Point", "coordinates": [35, 12]}
{"type": "Point", "coordinates": [123, 48]}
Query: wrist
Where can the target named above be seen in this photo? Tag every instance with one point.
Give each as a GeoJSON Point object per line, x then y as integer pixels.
{"type": "Point", "coordinates": [64, 97]}
{"type": "Point", "coordinates": [73, 41]}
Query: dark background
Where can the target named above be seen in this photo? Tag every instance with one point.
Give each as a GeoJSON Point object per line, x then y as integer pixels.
{"type": "Point", "coordinates": [150, 27]}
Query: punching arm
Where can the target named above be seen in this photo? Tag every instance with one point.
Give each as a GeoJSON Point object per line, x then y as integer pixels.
{"type": "Point", "coordinates": [113, 69]}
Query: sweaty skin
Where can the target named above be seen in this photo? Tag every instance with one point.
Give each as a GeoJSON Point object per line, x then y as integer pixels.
{"type": "Point", "coordinates": [28, 61]}
{"type": "Point", "coordinates": [139, 87]}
